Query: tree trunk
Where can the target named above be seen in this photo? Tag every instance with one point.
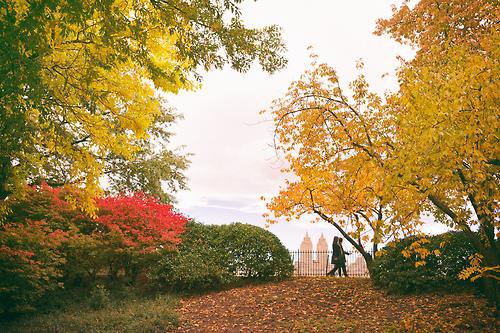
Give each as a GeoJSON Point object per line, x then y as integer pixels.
{"type": "Point", "coordinates": [5, 170]}
{"type": "Point", "coordinates": [490, 285]}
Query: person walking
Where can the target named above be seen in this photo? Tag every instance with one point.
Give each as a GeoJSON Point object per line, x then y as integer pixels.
{"type": "Point", "coordinates": [338, 258]}
{"type": "Point", "coordinates": [335, 256]}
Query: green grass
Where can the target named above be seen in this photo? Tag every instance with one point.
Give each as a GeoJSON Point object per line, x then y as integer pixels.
{"type": "Point", "coordinates": [135, 314]}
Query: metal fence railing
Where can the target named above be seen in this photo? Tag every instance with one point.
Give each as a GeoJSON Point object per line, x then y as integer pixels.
{"type": "Point", "coordinates": [318, 263]}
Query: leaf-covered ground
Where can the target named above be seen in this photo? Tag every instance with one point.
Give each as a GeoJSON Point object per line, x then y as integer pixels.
{"type": "Point", "coordinates": [332, 305]}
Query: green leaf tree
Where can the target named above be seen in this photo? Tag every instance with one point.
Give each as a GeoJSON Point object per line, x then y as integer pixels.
{"type": "Point", "coordinates": [80, 80]}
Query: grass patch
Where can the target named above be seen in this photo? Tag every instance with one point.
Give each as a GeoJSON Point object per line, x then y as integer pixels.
{"type": "Point", "coordinates": [154, 314]}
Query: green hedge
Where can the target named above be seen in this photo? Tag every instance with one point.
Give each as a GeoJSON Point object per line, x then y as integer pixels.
{"type": "Point", "coordinates": [254, 252]}
{"type": "Point", "coordinates": [397, 274]}
{"type": "Point", "coordinates": [213, 256]}
{"type": "Point", "coordinates": [196, 265]}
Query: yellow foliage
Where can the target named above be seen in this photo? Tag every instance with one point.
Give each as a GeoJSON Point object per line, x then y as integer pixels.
{"type": "Point", "coordinates": [335, 146]}
{"type": "Point", "coordinates": [474, 268]}
{"type": "Point", "coordinates": [99, 101]}
{"type": "Point", "coordinates": [418, 249]}
{"type": "Point", "coordinates": [447, 116]}
{"type": "Point", "coordinates": [433, 145]}
{"type": "Point", "coordinates": [420, 263]}
{"type": "Point", "coordinates": [489, 273]}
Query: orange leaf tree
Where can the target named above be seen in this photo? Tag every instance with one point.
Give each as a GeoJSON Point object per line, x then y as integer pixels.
{"type": "Point", "coordinates": [432, 146]}
{"type": "Point", "coordinates": [336, 148]}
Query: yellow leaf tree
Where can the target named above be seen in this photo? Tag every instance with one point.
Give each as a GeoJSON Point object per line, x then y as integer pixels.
{"type": "Point", "coordinates": [432, 146]}
{"type": "Point", "coordinates": [446, 147]}
{"type": "Point", "coordinates": [81, 80]}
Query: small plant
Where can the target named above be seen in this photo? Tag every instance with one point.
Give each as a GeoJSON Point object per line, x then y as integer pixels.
{"type": "Point", "coordinates": [99, 297]}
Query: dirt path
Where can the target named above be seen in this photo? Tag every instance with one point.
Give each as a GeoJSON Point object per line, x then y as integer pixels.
{"type": "Point", "coordinates": [331, 305]}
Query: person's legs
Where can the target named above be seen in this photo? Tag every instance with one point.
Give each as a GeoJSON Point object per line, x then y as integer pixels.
{"type": "Point", "coordinates": [343, 269]}
{"type": "Point", "coordinates": [334, 269]}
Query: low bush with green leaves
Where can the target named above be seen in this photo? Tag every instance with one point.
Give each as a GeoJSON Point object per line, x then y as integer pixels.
{"type": "Point", "coordinates": [212, 256]}
{"type": "Point", "coordinates": [254, 252]}
{"type": "Point", "coordinates": [448, 256]}
{"type": "Point", "coordinates": [198, 264]}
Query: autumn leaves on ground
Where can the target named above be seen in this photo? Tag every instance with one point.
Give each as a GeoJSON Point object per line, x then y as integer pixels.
{"type": "Point", "coordinates": [323, 304]}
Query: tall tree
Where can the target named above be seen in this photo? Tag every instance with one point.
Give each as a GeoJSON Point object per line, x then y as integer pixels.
{"type": "Point", "coordinates": [336, 149]}
{"type": "Point", "coordinates": [154, 167]}
{"type": "Point", "coordinates": [80, 79]}
{"type": "Point", "coordinates": [447, 147]}
{"type": "Point", "coordinates": [435, 140]}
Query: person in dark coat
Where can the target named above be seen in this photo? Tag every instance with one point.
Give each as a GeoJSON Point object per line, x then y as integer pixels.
{"type": "Point", "coordinates": [338, 257]}
{"type": "Point", "coordinates": [335, 256]}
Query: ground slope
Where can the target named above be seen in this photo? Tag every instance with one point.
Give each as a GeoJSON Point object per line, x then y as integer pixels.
{"type": "Point", "coordinates": [331, 305]}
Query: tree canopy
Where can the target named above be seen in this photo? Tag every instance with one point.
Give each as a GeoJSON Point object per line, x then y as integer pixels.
{"type": "Point", "coordinates": [446, 147]}
{"type": "Point", "coordinates": [336, 149]}
{"type": "Point", "coordinates": [82, 80]}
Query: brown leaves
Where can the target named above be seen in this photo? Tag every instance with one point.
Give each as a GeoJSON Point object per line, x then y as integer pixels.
{"type": "Point", "coordinates": [331, 305]}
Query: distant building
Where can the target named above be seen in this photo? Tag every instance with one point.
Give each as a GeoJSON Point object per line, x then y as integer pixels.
{"type": "Point", "coordinates": [312, 262]}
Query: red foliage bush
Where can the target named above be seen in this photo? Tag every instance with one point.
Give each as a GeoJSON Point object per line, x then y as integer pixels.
{"type": "Point", "coordinates": [142, 221]}
{"type": "Point", "coordinates": [30, 263]}
{"type": "Point", "coordinates": [55, 206]}
{"type": "Point", "coordinates": [47, 240]}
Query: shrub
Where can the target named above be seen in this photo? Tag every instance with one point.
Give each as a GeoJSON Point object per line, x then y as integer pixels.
{"type": "Point", "coordinates": [254, 252]}
{"type": "Point", "coordinates": [47, 241]}
{"type": "Point", "coordinates": [52, 205]}
{"type": "Point", "coordinates": [133, 228]}
{"type": "Point", "coordinates": [396, 273]}
{"type": "Point", "coordinates": [141, 221]}
{"type": "Point", "coordinates": [197, 265]}
{"type": "Point", "coordinates": [85, 257]}
{"type": "Point", "coordinates": [213, 256]}
{"type": "Point", "coordinates": [30, 264]}
{"type": "Point", "coordinates": [99, 297]}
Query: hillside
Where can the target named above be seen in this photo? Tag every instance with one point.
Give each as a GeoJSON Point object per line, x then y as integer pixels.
{"type": "Point", "coordinates": [331, 305]}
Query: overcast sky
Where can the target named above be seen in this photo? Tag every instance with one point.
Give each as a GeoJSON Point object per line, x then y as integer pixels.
{"type": "Point", "coordinates": [233, 163]}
